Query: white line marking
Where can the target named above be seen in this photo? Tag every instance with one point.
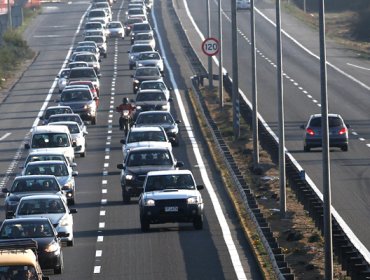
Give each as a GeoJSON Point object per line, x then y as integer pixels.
{"type": "Point", "coordinates": [98, 253]}
{"type": "Point", "coordinates": [360, 67]}
{"type": "Point", "coordinates": [102, 225]}
{"type": "Point", "coordinates": [5, 136]}
{"type": "Point", "coordinates": [100, 238]}
{"type": "Point", "coordinates": [97, 269]}
{"type": "Point", "coordinates": [215, 202]}
{"type": "Point", "coordinates": [102, 213]}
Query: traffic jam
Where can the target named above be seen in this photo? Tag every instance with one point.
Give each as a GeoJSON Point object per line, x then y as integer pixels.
{"type": "Point", "coordinates": [40, 202]}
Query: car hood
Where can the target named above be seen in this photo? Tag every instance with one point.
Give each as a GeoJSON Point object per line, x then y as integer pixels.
{"type": "Point", "coordinates": [171, 194]}
{"type": "Point", "coordinates": [149, 62]}
{"type": "Point", "coordinates": [151, 103]}
{"type": "Point", "coordinates": [54, 218]}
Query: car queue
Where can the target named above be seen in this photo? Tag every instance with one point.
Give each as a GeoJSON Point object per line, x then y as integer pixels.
{"type": "Point", "coordinates": [38, 204]}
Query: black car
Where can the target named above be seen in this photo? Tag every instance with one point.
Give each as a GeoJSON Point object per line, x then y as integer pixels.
{"type": "Point", "coordinates": [163, 119]}
{"type": "Point", "coordinates": [171, 196]}
{"type": "Point", "coordinates": [49, 248]}
{"type": "Point", "coordinates": [29, 185]}
{"type": "Point", "coordinates": [138, 162]}
{"type": "Point", "coordinates": [338, 132]}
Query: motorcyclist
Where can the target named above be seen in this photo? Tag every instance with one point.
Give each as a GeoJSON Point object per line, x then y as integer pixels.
{"type": "Point", "coordinates": [125, 106]}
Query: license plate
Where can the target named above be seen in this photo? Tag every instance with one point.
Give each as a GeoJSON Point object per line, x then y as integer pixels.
{"type": "Point", "coordinates": [171, 209]}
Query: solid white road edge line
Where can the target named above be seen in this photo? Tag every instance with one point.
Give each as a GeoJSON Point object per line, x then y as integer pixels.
{"type": "Point", "coordinates": [215, 202]}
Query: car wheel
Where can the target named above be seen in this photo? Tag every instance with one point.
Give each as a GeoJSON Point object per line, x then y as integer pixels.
{"type": "Point", "coordinates": [59, 269]}
{"type": "Point", "coordinates": [71, 201]}
{"type": "Point", "coordinates": [70, 243]}
{"type": "Point", "coordinates": [126, 197]}
{"type": "Point", "coordinates": [105, 55]}
{"type": "Point", "coordinates": [131, 67]}
{"type": "Point", "coordinates": [145, 225]}
{"type": "Point", "coordinates": [93, 121]}
{"type": "Point", "coordinates": [306, 148]}
{"type": "Point", "coordinates": [344, 148]}
{"type": "Point", "coordinates": [83, 154]}
{"type": "Point", "coordinates": [198, 223]}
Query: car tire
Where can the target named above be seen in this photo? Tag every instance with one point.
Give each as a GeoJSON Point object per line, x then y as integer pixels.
{"type": "Point", "coordinates": [70, 243]}
{"type": "Point", "coordinates": [126, 197]}
{"type": "Point", "coordinates": [144, 224]}
{"type": "Point", "coordinates": [306, 148]}
{"type": "Point", "coordinates": [344, 148]}
{"type": "Point", "coordinates": [105, 55]}
{"type": "Point", "coordinates": [59, 269]}
{"type": "Point", "coordinates": [93, 121]}
{"type": "Point", "coordinates": [72, 201]}
{"type": "Point", "coordinates": [83, 154]}
{"type": "Point", "coordinates": [131, 67]}
{"type": "Point", "coordinates": [198, 222]}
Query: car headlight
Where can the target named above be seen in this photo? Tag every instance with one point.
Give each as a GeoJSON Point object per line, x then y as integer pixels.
{"type": "Point", "coordinates": [129, 177]}
{"type": "Point", "coordinates": [164, 107]}
{"type": "Point", "coordinates": [173, 130]}
{"type": "Point", "coordinates": [138, 107]}
{"type": "Point", "coordinates": [132, 57]}
{"type": "Point", "coordinates": [149, 202]}
{"type": "Point", "coordinates": [64, 221]}
{"type": "Point", "coordinates": [140, 65]}
{"type": "Point", "coordinates": [87, 106]}
{"type": "Point", "coordinates": [136, 82]}
{"type": "Point", "coordinates": [52, 247]}
{"type": "Point", "coordinates": [193, 200]}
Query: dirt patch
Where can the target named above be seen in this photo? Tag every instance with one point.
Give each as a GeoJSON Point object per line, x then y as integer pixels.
{"type": "Point", "coordinates": [301, 241]}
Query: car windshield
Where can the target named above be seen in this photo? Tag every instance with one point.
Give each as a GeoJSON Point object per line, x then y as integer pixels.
{"type": "Point", "coordinates": [97, 14]}
{"type": "Point", "coordinates": [152, 85]}
{"type": "Point", "coordinates": [114, 25]}
{"type": "Point", "coordinates": [75, 95]}
{"type": "Point", "coordinates": [151, 96]}
{"type": "Point", "coordinates": [61, 118]}
{"type": "Point", "coordinates": [40, 206]}
{"type": "Point", "coordinates": [333, 122]}
{"type": "Point", "coordinates": [97, 39]}
{"type": "Point", "coordinates": [34, 185]}
{"type": "Point", "coordinates": [141, 27]}
{"type": "Point", "coordinates": [57, 111]}
{"type": "Point", "coordinates": [145, 36]}
{"type": "Point", "coordinates": [86, 57]}
{"type": "Point", "coordinates": [64, 73]}
{"type": "Point", "coordinates": [147, 56]}
{"type": "Point", "coordinates": [135, 12]}
{"type": "Point", "coordinates": [143, 158]}
{"type": "Point", "coordinates": [50, 140]}
{"type": "Point", "coordinates": [145, 71]}
{"type": "Point", "coordinates": [26, 229]}
{"type": "Point", "coordinates": [154, 119]}
{"type": "Point", "coordinates": [139, 48]}
{"type": "Point", "coordinates": [57, 170]}
{"type": "Point", "coordinates": [18, 272]}
{"type": "Point", "coordinates": [82, 73]}
{"type": "Point", "coordinates": [139, 136]}
{"type": "Point", "coordinates": [95, 25]}
{"type": "Point", "coordinates": [163, 182]}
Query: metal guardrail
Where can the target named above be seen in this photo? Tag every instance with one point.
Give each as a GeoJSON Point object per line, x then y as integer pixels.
{"type": "Point", "coordinates": [352, 254]}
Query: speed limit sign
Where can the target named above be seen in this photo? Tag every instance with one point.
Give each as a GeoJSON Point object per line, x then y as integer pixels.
{"type": "Point", "coordinates": [210, 46]}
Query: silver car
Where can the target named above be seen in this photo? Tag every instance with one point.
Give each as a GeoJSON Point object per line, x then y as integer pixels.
{"type": "Point", "coordinates": [144, 38]}
{"type": "Point", "coordinates": [63, 78]}
{"type": "Point", "coordinates": [50, 206]}
{"type": "Point", "coordinates": [150, 59]}
{"type": "Point", "coordinates": [62, 171]}
{"type": "Point", "coordinates": [115, 29]}
{"type": "Point", "coordinates": [338, 132]}
{"type": "Point", "coordinates": [155, 84]}
{"type": "Point", "coordinates": [135, 50]}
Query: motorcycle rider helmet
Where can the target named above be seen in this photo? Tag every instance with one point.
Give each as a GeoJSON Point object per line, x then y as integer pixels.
{"type": "Point", "coordinates": [125, 100]}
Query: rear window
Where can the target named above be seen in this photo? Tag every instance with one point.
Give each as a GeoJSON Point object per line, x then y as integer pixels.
{"type": "Point", "coordinates": [50, 140]}
{"type": "Point", "coordinates": [55, 111]}
{"type": "Point", "coordinates": [82, 73]}
{"type": "Point", "coordinates": [333, 122]}
{"type": "Point", "coordinates": [76, 95]}
{"type": "Point", "coordinates": [141, 27]}
{"type": "Point", "coordinates": [97, 14]}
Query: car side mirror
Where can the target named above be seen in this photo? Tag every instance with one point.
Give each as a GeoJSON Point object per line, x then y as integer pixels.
{"type": "Point", "coordinates": [45, 278]}
{"type": "Point", "coordinates": [163, 75]}
{"type": "Point", "coordinates": [302, 126]}
{"type": "Point", "coordinates": [41, 118]}
{"type": "Point", "coordinates": [132, 76]}
{"type": "Point", "coordinates": [73, 164]}
{"type": "Point", "coordinates": [99, 60]}
{"type": "Point", "coordinates": [123, 141]}
{"type": "Point", "coordinates": [27, 146]}
{"type": "Point", "coordinates": [63, 234]}
{"type": "Point", "coordinates": [10, 214]}
{"type": "Point", "coordinates": [74, 144]}
{"type": "Point", "coordinates": [170, 99]}
{"type": "Point", "coordinates": [74, 173]}
{"type": "Point", "coordinates": [85, 133]}
{"type": "Point", "coordinates": [128, 51]}
{"type": "Point", "coordinates": [73, 211]}
{"type": "Point", "coordinates": [347, 125]}
{"type": "Point", "coordinates": [200, 187]}
{"type": "Point", "coordinates": [179, 164]}
{"type": "Point", "coordinates": [177, 121]}
{"type": "Point", "coordinates": [58, 76]}
{"type": "Point", "coordinates": [99, 76]}
{"type": "Point", "coordinates": [121, 166]}
{"type": "Point", "coordinates": [4, 190]}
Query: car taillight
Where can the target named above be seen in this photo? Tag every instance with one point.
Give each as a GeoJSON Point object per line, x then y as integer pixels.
{"type": "Point", "coordinates": [310, 131]}
{"type": "Point", "coordinates": [342, 131]}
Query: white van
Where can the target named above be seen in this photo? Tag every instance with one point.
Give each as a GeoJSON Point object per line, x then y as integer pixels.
{"type": "Point", "coordinates": [55, 138]}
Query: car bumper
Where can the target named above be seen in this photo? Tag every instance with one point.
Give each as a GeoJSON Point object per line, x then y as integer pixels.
{"type": "Point", "coordinates": [50, 260]}
{"type": "Point", "coordinates": [158, 215]}
{"type": "Point", "coordinates": [332, 142]}
{"type": "Point", "coordinates": [133, 188]}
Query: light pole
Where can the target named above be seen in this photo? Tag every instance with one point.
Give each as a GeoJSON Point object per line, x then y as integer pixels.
{"type": "Point", "coordinates": [325, 149]}
{"type": "Point", "coordinates": [220, 57]}
{"type": "Point", "coordinates": [235, 94]}
{"type": "Point", "coordinates": [210, 70]}
{"type": "Point", "coordinates": [9, 15]}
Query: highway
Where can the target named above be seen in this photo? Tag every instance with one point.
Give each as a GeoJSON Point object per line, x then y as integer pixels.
{"type": "Point", "coordinates": [108, 240]}
{"type": "Point", "coordinates": [348, 95]}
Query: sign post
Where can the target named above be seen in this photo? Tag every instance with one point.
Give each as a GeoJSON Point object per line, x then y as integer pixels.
{"type": "Point", "coordinates": [210, 46]}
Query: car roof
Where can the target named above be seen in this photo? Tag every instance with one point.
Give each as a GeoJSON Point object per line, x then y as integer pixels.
{"type": "Point", "coordinates": [28, 219]}
{"type": "Point", "coordinates": [58, 107]}
{"type": "Point", "coordinates": [169, 172]}
{"type": "Point", "coordinates": [329, 115]}
{"type": "Point", "coordinates": [41, 196]}
{"type": "Point", "coordinates": [46, 162]}
{"type": "Point", "coordinates": [146, 128]}
{"type": "Point", "coordinates": [64, 123]}
{"type": "Point", "coordinates": [41, 153]}
{"type": "Point", "coordinates": [154, 90]}
{"type": "Point", "coordinates": [155, 112]}
{"type": "Point", "coordinates": [139, 149]}
{"type": "Point", "coordinates": [50, 129]}
{"type": "Point", "coordinates": [35, 176]}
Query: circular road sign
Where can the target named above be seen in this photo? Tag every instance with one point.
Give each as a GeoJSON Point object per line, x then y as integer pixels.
{"type": "Point", "coordinates": [210, 46]}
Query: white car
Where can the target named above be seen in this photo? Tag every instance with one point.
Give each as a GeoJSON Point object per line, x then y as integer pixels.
{"type": "Point", "coordinates": [243, 4]}
{"type": "Point", "coordinates": [155, 84]}
{"type": "Point", "coordinates": [150, 59]}
{"type": "Point", "coordinates": [51, 138]}
{"type": "Point", "coordinates": [63, 78]}
{"type": "Point", "coordinates": [78, 136]}
{"type": "Point", "coordinates": [115, 29]}
{"type": "Point", "coordinates": [51, 206]}
{"type": "Point", "coordinates": [44, 156]}
{"type": "Point", "coordinates": [144, 38]}
{"type": "Point", "coordinates": [145, 136]}
{"type": "Point", "coordinates": [171, 196]}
